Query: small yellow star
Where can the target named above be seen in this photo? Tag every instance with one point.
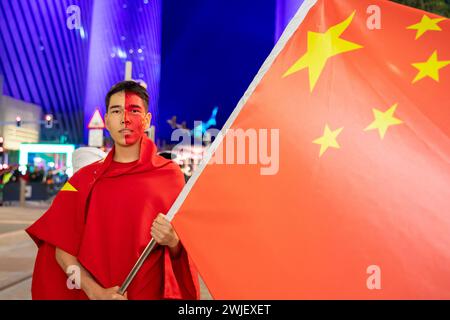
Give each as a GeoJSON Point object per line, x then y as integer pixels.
{"type": "Point", "coordinates": [321, 47]}
{"type": "Point", "coordinates": [430, 68]}
{"type": "Point", "coordinates": [426, 24]}
{"type": "Point", "coordinates": [328, 139]}
{"type": "Point", "coordinates": [383, 120]}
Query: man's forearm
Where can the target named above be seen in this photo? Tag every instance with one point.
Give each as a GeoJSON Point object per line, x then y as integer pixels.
{"type": "Point", "coordinates": [87, 282]}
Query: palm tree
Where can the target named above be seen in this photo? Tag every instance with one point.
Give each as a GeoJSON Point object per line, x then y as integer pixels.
{"type": "Point", "coordinates": [441, 7]}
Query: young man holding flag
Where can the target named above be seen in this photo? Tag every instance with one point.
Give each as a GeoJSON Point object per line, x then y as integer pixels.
{"type": "Point", "coordinates": [102, 219]}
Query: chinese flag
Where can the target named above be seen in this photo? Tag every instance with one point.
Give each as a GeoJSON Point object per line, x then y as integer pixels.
{"type": "Point", "coordinates": [359, 207]}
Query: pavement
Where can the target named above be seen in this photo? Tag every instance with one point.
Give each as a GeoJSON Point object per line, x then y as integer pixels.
{"type": "Point", "coordinates": [18, 251]}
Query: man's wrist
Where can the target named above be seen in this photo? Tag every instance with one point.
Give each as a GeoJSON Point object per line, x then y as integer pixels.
{"type": "Point", "coordinates": [175, 249]}
{"type": "Point", "coordinates": [90, 288]}
{"type": "Point", "coordinates": [175, 241]}
{"type": "Point", "coordinates": [174, 244]}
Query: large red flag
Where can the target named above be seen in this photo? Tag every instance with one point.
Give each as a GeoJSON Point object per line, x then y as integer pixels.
{"type": "Point", "coordinates": [355, 203]}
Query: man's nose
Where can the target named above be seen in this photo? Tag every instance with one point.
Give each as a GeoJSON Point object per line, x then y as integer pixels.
{"type": "Point", "coordinates": [126, 117]}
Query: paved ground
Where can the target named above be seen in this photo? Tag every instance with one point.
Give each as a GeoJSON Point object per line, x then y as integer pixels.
{"type": "Point", "coordinates": [17, 251]}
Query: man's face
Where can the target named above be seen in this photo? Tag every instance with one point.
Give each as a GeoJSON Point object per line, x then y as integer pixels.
{"type": "Point", "coordinates": [126, 119]}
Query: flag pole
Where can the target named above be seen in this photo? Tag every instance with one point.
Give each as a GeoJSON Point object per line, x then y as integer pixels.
{"type": "Point", "coordinates": [148, 249]}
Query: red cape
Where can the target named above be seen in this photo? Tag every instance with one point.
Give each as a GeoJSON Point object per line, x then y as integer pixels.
{"type": "Point", "coordinates": [103, 216]}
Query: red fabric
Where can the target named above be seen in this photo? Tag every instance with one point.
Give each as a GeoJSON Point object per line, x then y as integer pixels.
{"type": "Point", "coordinates": [317, 227]}
{"type": "Point", "coordinates": [106, 224]}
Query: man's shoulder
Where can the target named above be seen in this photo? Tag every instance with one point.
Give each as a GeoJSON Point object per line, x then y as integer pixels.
{"type": "Point", "coordinates": [170, 167]}
{"type": "Point", "coordinates": [87, 172]}
{"type": "Point", "coordinates": [90, 168]}
{"type": "Point", "coordinates": [171, 171]}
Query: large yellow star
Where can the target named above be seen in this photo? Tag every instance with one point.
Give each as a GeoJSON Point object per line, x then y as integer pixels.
{"type": "Point", "coordinates": [68, 187]}
{"type": "Point", "coordinates": [383, 120]}
{"type": "Point", "coordinates": [430, 68]}
{"type": "Point", "coordinates": [328, 139]}
{"type": "Point", "coordinates": [426, 24]}
{"type": "Point", "coordinates": [321, 47]}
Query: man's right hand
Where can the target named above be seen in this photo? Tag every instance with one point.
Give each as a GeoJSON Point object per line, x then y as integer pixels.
{"type": "Point", "coordinates": [90, 287]}
{"type": "Point", "coordinates": [108, 294]}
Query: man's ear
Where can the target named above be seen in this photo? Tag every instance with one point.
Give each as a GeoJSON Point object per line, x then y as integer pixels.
{"type": "Point", "coordinates": [148, 119]}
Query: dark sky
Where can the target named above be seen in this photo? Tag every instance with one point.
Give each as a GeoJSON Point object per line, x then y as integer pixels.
{"type": "Point", "coordinates": [211, 50]}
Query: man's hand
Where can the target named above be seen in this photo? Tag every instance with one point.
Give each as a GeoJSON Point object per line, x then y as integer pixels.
{"type": "Point", "coordinates": [163, 232]}
{"type": "Point", "coordinates": [90, 287]}
{"type": "Point", "coordinates": [165, 235]}
{"type": "Point", "coordinates": [108, 294]}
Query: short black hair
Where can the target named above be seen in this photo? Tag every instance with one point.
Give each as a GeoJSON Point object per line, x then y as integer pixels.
{"type": "Point", "coordinates": [127, 86]}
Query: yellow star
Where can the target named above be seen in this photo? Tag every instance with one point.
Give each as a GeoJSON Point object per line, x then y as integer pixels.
{"type": "Point", "coordinates": [426, 24]}
{"type": "Point", "coordinates": [321, 47]}
{"type": "Point", "coordinates": [430, 68]}
{"type": "Point", "coordinates": [68, 187]}
{"type": "Point", "coordinates": [383, 120]}
{"type": "Point", "coordinates": [328, 139]}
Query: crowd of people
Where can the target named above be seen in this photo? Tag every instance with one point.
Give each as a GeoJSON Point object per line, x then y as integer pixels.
{"type": "Point", "coordinates": [53, 180]}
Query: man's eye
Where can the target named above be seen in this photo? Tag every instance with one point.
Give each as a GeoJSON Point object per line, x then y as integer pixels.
{"type": "Point", "coordinates": [115, 111]}
{"type": "Point", "coordinates": [136, 111]}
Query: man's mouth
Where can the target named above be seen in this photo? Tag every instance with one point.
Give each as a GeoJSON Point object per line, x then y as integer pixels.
{"type": "Point", "coordinates": [126, 131]}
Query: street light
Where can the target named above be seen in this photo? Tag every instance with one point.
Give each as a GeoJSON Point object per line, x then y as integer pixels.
{"type": "Point", "coordinates": [49, 121]}
{"type": "Point", "coordinates": [18, 121]}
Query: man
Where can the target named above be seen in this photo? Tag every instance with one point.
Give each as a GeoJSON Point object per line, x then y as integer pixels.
{"type": "Point", "coordinates": [102, 219]}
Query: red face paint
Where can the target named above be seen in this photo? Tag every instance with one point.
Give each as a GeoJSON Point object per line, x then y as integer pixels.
{"type": "Point", "coordinates": [134, 118]}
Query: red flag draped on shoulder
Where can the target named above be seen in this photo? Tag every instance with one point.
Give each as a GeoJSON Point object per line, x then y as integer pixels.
{"type": "Point", "coordinates": [103, 216]}
{"type": "Point", "coordinates": [358, 205]}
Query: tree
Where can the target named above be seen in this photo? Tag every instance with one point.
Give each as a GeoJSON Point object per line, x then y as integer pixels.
{"type": "Point", "coordinates": [441, 7]}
